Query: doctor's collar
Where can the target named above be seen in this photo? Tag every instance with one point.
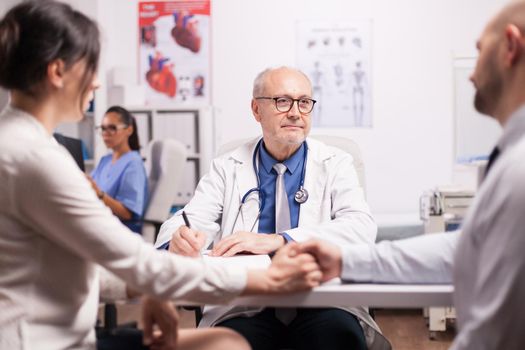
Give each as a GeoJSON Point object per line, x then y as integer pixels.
{"type": "Point", "coordinates": [292, 163]}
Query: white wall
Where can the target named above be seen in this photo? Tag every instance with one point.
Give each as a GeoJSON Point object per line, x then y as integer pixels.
{"type": "Point", "coordinates": [5, 5]}
{"type": "Point", "coordinates": [410, 148]}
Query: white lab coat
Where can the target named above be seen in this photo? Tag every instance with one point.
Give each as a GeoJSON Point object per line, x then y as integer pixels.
{"type": "Point", "coordinates": [336, 211]}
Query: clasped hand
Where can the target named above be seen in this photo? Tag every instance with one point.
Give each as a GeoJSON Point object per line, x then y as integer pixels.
{"type": "Point", "coordinates": [291, 270]}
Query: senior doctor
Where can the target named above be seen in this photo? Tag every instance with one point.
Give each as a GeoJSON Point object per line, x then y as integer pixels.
{"type": "Point", "coordinates": [272, 190]}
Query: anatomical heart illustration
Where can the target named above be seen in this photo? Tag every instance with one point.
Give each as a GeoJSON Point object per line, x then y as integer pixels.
{"type": "Point", "coordinates": [160, 75]}
{"type": "Point", "coordinates": [174, 52]}
{"type": "Point", "coordinates": [186, 32]}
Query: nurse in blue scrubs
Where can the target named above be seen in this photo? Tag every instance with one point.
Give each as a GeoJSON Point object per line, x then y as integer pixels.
{"type": "Point", "coordinates": [120, 177]}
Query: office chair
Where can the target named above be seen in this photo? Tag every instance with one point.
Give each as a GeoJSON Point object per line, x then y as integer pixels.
{"type": "Point", "coordinates": [74, 146]}
{"type": "Point", "coordinates": [165, 168]}
{"type": "Point", "coordinates": [349, 146]}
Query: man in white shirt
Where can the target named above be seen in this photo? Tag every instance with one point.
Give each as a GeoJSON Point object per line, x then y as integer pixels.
{"type": "Point", "coordinates": [486, 261]}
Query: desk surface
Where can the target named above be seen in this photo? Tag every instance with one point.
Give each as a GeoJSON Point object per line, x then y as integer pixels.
{"type": "Point", "coordinates": [334, 293]}
{"type": "Point", "coordinates": [376, 295]}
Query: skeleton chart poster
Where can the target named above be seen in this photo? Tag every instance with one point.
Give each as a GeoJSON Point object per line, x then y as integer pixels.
{"type": "Point", "coordinates": [174, 51]}
{"type": "Point", "coordinates": [336, 57]}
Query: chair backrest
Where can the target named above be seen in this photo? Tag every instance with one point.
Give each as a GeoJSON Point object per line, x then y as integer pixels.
{"type": "Point", "coordinates": [74, 146]}
{"type": "Point", "coordinates": [340, 142]}
{"type": "Point", "coordinates": [348, 146]}
{"type": "Point", "coordinates": [165, 166]}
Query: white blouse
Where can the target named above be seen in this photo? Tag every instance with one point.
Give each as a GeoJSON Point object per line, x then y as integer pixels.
{"type": "Point", "coordinates": [53, 233]}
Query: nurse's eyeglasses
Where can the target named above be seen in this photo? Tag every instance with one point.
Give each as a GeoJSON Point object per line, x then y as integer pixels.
{"type": "Point", "coordinates": [110, 128]}
{"type": "Point", "coordinates": [285, 104]}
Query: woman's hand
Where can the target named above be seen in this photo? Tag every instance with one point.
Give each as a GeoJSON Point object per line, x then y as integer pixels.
{"type": "Point", "coordinates": [164, 315]}
{"type": "Point", "coordinates": [117, 208]}
{"type": "Point", "coordinates": [94, 185]}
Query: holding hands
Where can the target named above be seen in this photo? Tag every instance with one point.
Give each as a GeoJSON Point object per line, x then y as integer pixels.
{"type": "Point", "coordinates": [290, 271]}
{"type": "Point", "coordinates": [295, 266]}
{"type": "Point", "coordinates": [327, 255]}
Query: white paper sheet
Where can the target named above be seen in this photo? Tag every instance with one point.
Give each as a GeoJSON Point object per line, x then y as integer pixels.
{"type": "Point", "coordinates": [247, 260]}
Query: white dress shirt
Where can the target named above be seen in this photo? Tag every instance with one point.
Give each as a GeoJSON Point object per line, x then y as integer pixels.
{"type": "Point", "coordinates": [53, 232]}
{"type": "Point", "coordinates": [486, 262]}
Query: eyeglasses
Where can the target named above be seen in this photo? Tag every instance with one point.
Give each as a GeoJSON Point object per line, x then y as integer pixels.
{"type": "Point", "coordinates": [285, 104]}
{"type": "Point", "coordinates": [111, 128]}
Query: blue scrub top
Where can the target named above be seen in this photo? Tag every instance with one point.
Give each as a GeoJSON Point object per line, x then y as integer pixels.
{"type": "Point", "coordinates": [126, 181]}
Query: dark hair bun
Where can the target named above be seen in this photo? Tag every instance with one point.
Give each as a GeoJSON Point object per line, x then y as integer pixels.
{"type": "Point", "coordinates": [9, 36]}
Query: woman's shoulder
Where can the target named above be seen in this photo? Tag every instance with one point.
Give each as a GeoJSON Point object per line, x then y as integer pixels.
{"type": "Point", "coordinates": [106, 158]}
{"type": "Point", "coordinates": [24, 141]}
{"type": "Point", "coordinates": [134, 157]}
{"type": "Point", "coordinates": [104, 161]}
{"type": "Point", "coordinates": [133, 160]}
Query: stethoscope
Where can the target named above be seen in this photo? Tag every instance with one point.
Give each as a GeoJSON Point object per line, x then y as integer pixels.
{"type": "Point", "coordinates": [300, 196]}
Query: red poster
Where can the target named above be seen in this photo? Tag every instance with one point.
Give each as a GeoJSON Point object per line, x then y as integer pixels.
{"type": "Point", "coordinates": [174, 51]}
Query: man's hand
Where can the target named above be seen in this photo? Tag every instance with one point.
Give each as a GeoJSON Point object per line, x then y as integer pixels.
{"type": "Point", "coordinates": [328, 257]}
{"type": "Point", "coordinates": [290, 271]}
{"type": "Point", "coordinates": [164, 315]}
{"type": "Point", "coordinates": [187, 242]}
{"type": "Point", "coordinates": [241, 241]}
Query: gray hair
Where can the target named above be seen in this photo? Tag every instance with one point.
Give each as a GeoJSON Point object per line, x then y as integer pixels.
{"type": "Point", "coordinates": [260, 79]}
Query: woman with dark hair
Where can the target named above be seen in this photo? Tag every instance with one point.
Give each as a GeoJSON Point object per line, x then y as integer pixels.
{"type": "Point", "coordinates": [120, 178]}
{"type": "Point", "coordinates": [55, 233]}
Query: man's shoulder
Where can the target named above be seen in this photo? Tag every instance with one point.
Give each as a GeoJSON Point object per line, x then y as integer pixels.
{"type": "Point", "coordinates": [506, 175]}
{"type": "Point", "coordinates": [240, 150]}
{"type": "Point", "coordinates": [513, 160]}
{"type": "Point", "coordinates": [321, 151]}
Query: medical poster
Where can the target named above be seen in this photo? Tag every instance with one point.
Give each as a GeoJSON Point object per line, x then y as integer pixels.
{"type": "Point", "coordinates": [174, 51]}
{"type": "Point", "coordinates": [336, 57]}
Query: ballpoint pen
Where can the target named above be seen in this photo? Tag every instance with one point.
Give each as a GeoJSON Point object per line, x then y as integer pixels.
{"type": "Point", "coordinates": [186, 221]}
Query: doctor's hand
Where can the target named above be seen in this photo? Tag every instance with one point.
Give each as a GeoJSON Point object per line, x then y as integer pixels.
{"type": "Point", "coordinates": [290, 271]}
{"type": "Point", "coordinates": [249, 242]}
{"type": "Point", "coordinates": [327, 255]}
{"type": "Point", "coordinates": [164, 316]}
{"type": "Point", "coordinates": [187, 242]}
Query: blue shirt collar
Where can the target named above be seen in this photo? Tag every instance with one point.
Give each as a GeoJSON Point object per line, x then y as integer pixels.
{"type": "Point", "coordinates": [292, 163]}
